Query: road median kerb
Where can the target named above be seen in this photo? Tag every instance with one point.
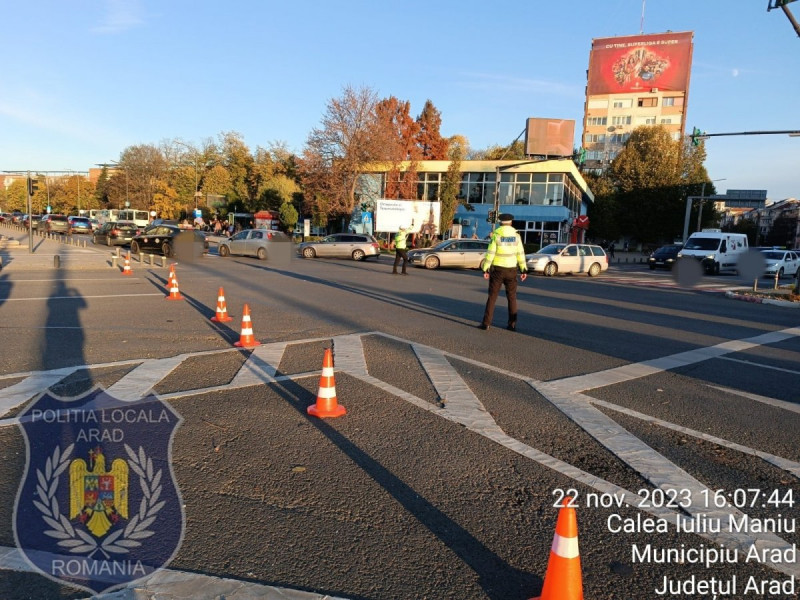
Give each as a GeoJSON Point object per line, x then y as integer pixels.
{"type": "Point", "coordinates": [745, 297]}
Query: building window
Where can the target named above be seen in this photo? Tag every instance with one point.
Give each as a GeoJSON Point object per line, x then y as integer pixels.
{"type": "Point", "coordinates": [672, 101]}
{"type": "Point", "coordinates": [617, 104]}
{"type": "Point", "coordinates": [623, 120]}
{"type": "Point", "coordinates": [666, 121]}
{"type": "Point", "coordinates": [650, 121]}
{"type": "Point", "coordinates": [597, 120]}
{"type": "Point", "coordinates": [646, 102]}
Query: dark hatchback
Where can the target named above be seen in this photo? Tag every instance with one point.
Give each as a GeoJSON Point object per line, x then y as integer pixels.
{"type": "Point", "coordinates": [79, 225]}
{"type": "Point", "coordinates": [664, 257]}
{"type": "Point", "coordinates": [115, 233]}
{"type": "Point", "coordinates": [170, 240]}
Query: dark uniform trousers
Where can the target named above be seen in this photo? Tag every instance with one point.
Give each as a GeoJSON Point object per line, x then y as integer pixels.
{"type": "Point", "coordinates": [400, 254]}
{"type": "Point", "coordinates": [498, 277]}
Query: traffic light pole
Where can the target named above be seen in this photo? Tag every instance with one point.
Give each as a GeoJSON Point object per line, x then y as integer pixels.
{"type": "Point", "coordinates": [30, 216]}
{"type": "Point", "coordinates": [698, 135]}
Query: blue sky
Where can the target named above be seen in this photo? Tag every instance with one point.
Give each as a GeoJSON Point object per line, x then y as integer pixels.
{"type": "Point", "coordinates": [83, 79]}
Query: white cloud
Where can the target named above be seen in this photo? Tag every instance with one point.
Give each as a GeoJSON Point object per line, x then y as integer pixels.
{"type": "Point", "coordinates": [735, 72]}
{"type": "Point", "coordinates": [120, 15]}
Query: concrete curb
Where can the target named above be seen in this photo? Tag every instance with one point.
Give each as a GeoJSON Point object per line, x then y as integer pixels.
{"type": "Point", "coordinates": [761, 300]}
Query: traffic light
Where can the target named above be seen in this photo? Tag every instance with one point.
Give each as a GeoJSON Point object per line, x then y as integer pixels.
{"type": "Point", "coordinates": [33, 185]}
{"type": "Point", "coordinates": [696, 135]}
{"type": "Point", "coordinates": [492, 216]}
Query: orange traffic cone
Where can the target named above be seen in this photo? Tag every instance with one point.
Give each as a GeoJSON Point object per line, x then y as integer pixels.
{"type": "Point", "coordinates": [174, 292]}
{"type": "Point", "coordinates": [327, 405]}
{"type": "Point", "coordinates": [222, 309]}
{"type": "Point", "coordinates": [171, 275]}
{"type": "Point", "coordinates": [562, 581]}
{"type": "Point", "coordinates": [246, 339]}
{"type": "Point", "coordinates": [126, 269]}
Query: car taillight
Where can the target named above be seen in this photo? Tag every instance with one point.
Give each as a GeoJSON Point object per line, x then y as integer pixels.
{"type": "Point", "coordinates": [115, 232]}
{"type": "Point", "coordinates": [375, 245]}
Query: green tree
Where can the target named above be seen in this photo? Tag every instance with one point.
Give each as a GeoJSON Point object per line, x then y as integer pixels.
{"type": "Point", "coordinates": [238, 161]}
{"type": "Point", "coordinates": [289, 216]}
{"type": "Point", "coordinates": [603, 213]}
{"type": "Point", "coordinates": [451, 189]}
{"type": "Point", "coordinates": [782, 231]}
{"type": "Point", "coordinates": [650, 177]}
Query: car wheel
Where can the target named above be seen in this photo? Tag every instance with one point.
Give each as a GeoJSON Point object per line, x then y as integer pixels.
{"type": "Point", "coordinates": [551, 269]}
{"type": "Point", "coordinates": [715, 269]}
{"type": "Point", "coordinates": [309, 253]}
{"type": "Point", "coordinates": [358, 255]}
{"type": "Point", "coordinates": [224, 251]}
{"type": "Point", "coordinates": [261, 254]}
{"type": "Point", "coordinates": [594, 270]}
{"type": "Point", "coordinates": [780, 273]}
{"type": "Point", "coordinates": [167, 250]}
{"type": "Point", "coordinates": [432, 262]}
{"type": "Point", "coordinates": [134, 248]}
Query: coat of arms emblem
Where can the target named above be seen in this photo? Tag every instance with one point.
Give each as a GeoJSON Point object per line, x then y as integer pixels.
{"type": "Point", "coordinates": [98, 506]}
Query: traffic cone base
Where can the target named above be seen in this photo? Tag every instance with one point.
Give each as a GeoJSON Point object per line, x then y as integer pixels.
{"type": "Point", "coordinates": [563, 581]}
{"type": "Point", "coordinates": [222, 315]}
{"type": "Point", "coordinates": [327, 405]}
{"type": "Point", "coordinates": [246, 339]}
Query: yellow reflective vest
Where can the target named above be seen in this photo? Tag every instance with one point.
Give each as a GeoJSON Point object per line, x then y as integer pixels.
{"type": "Point", "coordinates": [400, 239]}
{"type": "Point", "coordinates": [505, 250]}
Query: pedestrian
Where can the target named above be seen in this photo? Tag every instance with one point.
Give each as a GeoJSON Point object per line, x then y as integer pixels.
{"type": "Point", "coordinates": [400, 250]}
{"type": "Point", "coordinates": [611, 250]}
{"type": "Point", "coordinates": [625, 246]}
{"type": "Point", "coordinates": [505, 257]}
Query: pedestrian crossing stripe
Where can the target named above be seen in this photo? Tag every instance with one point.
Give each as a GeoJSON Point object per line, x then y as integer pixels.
{"type": "Point", "coordinates": [462, 406]}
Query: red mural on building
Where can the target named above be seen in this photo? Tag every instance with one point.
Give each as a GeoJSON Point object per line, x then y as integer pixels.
{"type": "Point", "coordinates": [620, 65]}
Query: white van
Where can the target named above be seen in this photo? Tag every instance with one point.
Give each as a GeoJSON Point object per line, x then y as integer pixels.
{"type": "Point", "coordinates": [716, 250]}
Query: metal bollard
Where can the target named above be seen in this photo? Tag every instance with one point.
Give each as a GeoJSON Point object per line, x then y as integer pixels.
{"type": "Point", "coordinates": [56, 261]}
{"type": "Point", "coordinates": [113, 262]}
{"type": "Point", "coordinates": [149, 259]}
{"type": "Point", "coordinates": [118, 252]}
{"type": "Point", "coordinates": [141, 256]}
{"type": "Point", "coordinates": [163, 261]}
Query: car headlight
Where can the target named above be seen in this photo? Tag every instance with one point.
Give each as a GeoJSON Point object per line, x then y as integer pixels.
{"type": "Point", "coordinates": [710, 256]}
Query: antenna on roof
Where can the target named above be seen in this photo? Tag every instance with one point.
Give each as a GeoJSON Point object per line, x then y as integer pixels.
{"type": "Point", "coordinates": [641, 23]}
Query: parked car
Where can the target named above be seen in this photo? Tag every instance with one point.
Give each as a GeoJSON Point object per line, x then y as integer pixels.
{"type": "Point", "coordinates": [460, 253]}
{"type": "Point", "coordinates": [5, 217]}
{"type": "Point", "coordinates": [665, 256]}
{"type": "Point", "coordinates": [55, 224]}
{"type": "Point", "coordinates": [254, 242]}
{"type": "Point", "coordinates": [16, 217]}
{"type": "Point", "coordinates": [115, 233]}
{"type": "Point", "coordinates": [342, 245]}
{"type": "Point", "coordinates": [79, 225]}
{"type": "Point", "coordinates": [33, 220]}
{"type": "Point", "coordinates": [164, 239]}
{"type": "Point", "coordinates": [781, 262]}
{"type": "Point", "coordinates": [568, 258]}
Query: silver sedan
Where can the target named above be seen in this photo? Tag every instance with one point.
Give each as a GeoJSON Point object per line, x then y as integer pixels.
{"type": "Point", "coordinates": [459, 253]}
{"type": "Point", "coordinates": [260, 243]}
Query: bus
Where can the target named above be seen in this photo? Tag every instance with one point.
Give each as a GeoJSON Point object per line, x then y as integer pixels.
{"type": "Point", "coordinates": [140, 217]}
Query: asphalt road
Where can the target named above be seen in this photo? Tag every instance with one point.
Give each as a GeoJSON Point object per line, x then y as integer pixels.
{"type": "Point", "coordinates": [441, 479]}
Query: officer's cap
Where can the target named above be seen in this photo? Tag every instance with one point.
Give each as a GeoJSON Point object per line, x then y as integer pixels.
{"type": "Point", "coordinates": [505, 218]}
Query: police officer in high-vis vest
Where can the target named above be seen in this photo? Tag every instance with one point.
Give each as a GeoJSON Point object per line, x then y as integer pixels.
{"type": "Point", "coordinates": [400, 249]}
{"type": "Point", "coordinates": [505, 257]}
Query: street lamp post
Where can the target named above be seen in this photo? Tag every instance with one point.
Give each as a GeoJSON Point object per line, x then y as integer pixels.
{"type": "Point", "coordinates": [702, 201]}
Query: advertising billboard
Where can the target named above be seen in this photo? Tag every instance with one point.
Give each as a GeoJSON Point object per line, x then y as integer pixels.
{"type": "Point", "coordinates": [635, 63]}
{"type": "Point", "coordinates": [549, 137]}
{"type": "Point", "coordinates": [418, 216]}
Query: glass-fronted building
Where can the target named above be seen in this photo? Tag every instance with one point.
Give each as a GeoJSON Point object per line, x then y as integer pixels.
{"type": "Point", "coordinates": [544, 196]}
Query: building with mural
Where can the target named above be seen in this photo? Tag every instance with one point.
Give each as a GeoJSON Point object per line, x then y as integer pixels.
{"type": "Point", "coordinates": [633, 81]}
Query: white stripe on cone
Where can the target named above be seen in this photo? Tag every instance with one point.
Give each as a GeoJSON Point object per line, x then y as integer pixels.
{"type": "Point", "coordinates": [327, 371]}
{"type": "Point", "coordinates": [326, 392]}
{"type": "Point", "coordinates": [565, 547]}
{"type": "Point", "coordinates": [247, 331]}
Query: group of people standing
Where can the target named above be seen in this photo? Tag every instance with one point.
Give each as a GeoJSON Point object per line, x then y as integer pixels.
{"type": "Point", "coordinates": [504, 260]}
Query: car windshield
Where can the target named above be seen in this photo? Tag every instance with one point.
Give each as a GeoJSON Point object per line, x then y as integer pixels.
{"type": "Point", "coordinates": [701, 243]}
{"type": "Point", "coordinates": [551, 249]}
{"type": "Point", "coordinates": [774, 255]}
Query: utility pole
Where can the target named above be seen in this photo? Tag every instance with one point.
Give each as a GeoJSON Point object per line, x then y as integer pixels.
{"type": "Point", "coordinates": [773, 4]}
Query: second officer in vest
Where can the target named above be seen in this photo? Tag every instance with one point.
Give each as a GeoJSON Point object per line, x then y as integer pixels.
{"type": "Point", "coordinates": [505, 258]}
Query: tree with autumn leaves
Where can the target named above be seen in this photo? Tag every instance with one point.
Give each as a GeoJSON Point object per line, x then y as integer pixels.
{"type": "Point", "coordinates": [359, 130]}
